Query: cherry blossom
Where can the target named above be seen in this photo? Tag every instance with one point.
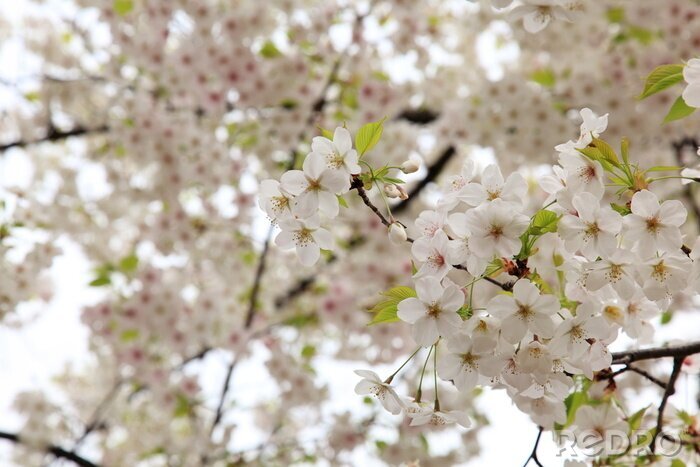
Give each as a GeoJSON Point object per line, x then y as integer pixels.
{"type": "Point", "coordinates": [434, 312]}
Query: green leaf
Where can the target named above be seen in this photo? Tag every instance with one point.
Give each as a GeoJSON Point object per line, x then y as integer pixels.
{"type": "Point", "coordinates": [129, 263]}
{"type": "Point", "coordinates": [123, 7]}
{"type": "Point", "coordinates": [661, 77]}
{"type": "Point", "coordinates": [621, 209]}
{"type": "Point", "coordinates": [635, 420]}
{"type": "Point", "coordinates": [386, 310]}
{"type": "Point", "coordinates": [129, 335]}
{"type": "Point", "coordinates": [308, 351]}
{"type": "Point", "coordinates": [545, 221]}
{"type": "Point", "coordinates": [666, 317]}
{"type": "Point", "coordinates": [607, 152]}
{"type": "Point", "coordinates": [663, 168]}
{"type": "Point", "coordinates": [677, 463]}
{"type": "Point", "coordinates": [325, 133]}
{"type": "Point", "coordinates": [544, 77]}
{"type": "Point", "coordinates": [369, 136]}
{"type": "Point", "coordinates": [270, 50]}
{"type": "Point", "coordinates": [342, 201]}
{"type": "Point", "coordinates": [678, 110]}
{"type": "Point", "coordinates": [101, 281]}
{"type": "Point", "coordinates": [625, 150]}
{"type": "Point", "coordinates": [616, 14]}
{"type": "Point", "coordinates": [494, 266]}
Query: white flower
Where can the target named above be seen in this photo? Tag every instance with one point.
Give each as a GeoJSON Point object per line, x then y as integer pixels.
{"type": "Point", "coordinates": [397, 233]}
{"type": "Point", "coordinates": [639, 311]}
{"type": "Point", "coordinates": [583, 174]}
{"type": "Point", "coordinates": [572, 334]}
{"type": "Point", "coordinates": [591, 127]}
{"type": "Point", "coordinates": [595, 422]}
{"type": "Point", "coordinates": [307, 236]}
{"type": "Point", "coordinates": [691, 74]}
{"type": "Point", "coordinates": [537, 14]}
{"type": "Point", "coordinates": [534, 358]}
{"type": "Point", "coordinates": [337, 154]}
{"type": "Point", "coordinates": [433, 253]}
{"type": "Point", "coordinates": [430, 222]}
{"type": "Point", "coordinates": [493, 187]}
{"type": "Point", "coordinates": [665, 275]}
{"type": "Point", "coordinates": [545, 410]}
{"type": "Point", "coordinates": [617, 270]}
{"type": "Point", "coordinates": [653, 226]}
{"type": "Point", "coordinates": [525, 310]}
{"type": "Point", "coordinates": [456, 186]}
{"type": "Point", "coordinates": [459, 249]}
{"type": "Point", "coordinates": [466, 361]}
{"type": "Point", "coordinates": [316, 187]}
{"type": "Point", "coordinates": [496, 228]}
{"type": "Point", "coordinates": [278, 204]}
{"type": "Point", "coordinates": [372, 384]}
{"type": "Point", "coordinates": [593, 230]}
{"type": "Point", "coordinates": [434, 312]}
{"type": "Point", "coordinates": [430, 416]}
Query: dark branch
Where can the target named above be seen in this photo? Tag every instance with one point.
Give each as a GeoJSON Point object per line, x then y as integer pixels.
{"type": "Point", "coordinates": [533, 454]}
{"type": "Point", "coordinates": [54, 135]}
{"type": "Point", "coordinates": [670, 390]}
{"type": "Point", "coordinates": [629, 356]}
{"type": "Point", "coordinates": [418, 116]}
{"type": "Point", "coordinates": [54, 450]}
{"type": "Point", "coordinates": [434, 170]}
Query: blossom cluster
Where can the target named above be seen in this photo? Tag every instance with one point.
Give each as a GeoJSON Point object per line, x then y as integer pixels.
{"type": "Point", "coordinates": [617, 269]}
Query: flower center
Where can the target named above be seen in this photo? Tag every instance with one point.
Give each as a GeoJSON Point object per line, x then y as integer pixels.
{"type": "Point", "coordinates": [303, 237]}
{"type": "Point", "coordinates": [335, 161]}
{"type": "Point", "coordinates": [653, 224]}
{"type": "Point", "coordinates": [525, 312]}
{"type": "Point", "coordinates": [496, 231]}
{"type": "Point", "coordinates": [434, 310]}
{"type": "Point", "coordinates": [660, 271]}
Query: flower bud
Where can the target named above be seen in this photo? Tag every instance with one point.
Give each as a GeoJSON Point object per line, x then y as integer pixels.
{"type": "Point", "coordinates": [397, 233]}
{"type": "Point", "coordinates": [391, 190]}
{"type": "Point", "coordinates": [403, 194]}
{"type": "Point", "coordinates": [410, 166]}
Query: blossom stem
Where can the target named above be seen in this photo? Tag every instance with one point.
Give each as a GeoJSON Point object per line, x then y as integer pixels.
{"type": "Point", "coordinates": [419, 392]}
{"type": "Point", "coordinates": [437, 398]}
{"type": "Point", "coordinates": [391, 377]}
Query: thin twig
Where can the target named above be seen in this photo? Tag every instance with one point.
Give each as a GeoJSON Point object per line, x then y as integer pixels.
{"type": "Point", "coordinates": [629, 356]}
{"type": "Point", "coordinates": [53, 135]}
{"type": "Point", "coordinates": [53, 450]}
{"type": "Point", "coordinates": [533, 454]}
{"type": "Point", "coordinates": [670, 390]}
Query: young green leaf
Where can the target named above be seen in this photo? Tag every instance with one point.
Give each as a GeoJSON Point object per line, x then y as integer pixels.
{"type": "Point", "coordinates": [678, 110]}
{"type": "Point", "coordinates": [386, 310]}
{"type": "Point", "coordinates": [270, 50]}
{"type": "Point", "coordinates": [368, 136]}
{"type": "Point", "coordinates": [661, 77]}
{"type": "Point", "coordinates": [123, 7]}
{"type": "Point", "coordinates": [607, 152]}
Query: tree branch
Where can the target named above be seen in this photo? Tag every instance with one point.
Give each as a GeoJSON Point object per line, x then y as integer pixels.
{"type": "Point", "coordinates": [434, 170]}
{"type": "Point", "coordinates": [533, 454]}
{"type": "Point", "coordinates": [53, 450]}
{"type": "Point", "coordinates": [670, 390]}
{"type": "Point", "coordinates": [53, 135]}
{"type": "Point", "coordinates": [629, 356]}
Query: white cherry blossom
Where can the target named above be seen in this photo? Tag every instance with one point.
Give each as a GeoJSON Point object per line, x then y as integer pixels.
{"type": "Point", "coordinates": [434, 312]}
{"type": "Point", "coordinates": [593, 231]}
{"type": "Point", "coordinates": [337, 154]}
{"type": "Point", "coordinates": [654, 226]}
{"type": "Point", "coordinates": [526, 310]}
{"type": "Point", "coordinates": [372, 384]}
{"type": "Point", "coordinates": [496, 229]}
{"type": "Point", "coordinates": [307, 237]}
